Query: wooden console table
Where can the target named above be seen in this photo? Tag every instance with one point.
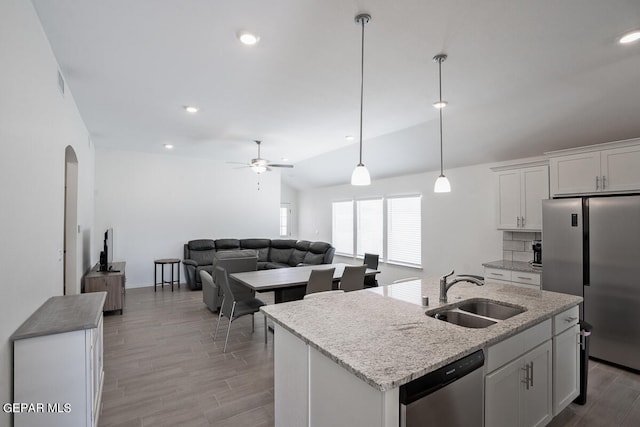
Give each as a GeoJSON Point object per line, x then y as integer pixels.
{"type": "Point", "coordinates": [111, 282]}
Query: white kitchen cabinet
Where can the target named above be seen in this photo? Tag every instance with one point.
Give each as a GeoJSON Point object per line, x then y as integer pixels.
{"type": "Point", "coordinates": [58, 363]}
{"type": "Point", "coordinates": [520, 195]}
{"type": "Point", "coordinates": [603, 168]}
{"type": "Point", "coordinates": [512, 277]}
{"type": "Point", "coordinates": [519, 393]}
{"type": "Point", "coordinates": [312, 390]}
{"type": "Point", "coordinates": [566, 359]}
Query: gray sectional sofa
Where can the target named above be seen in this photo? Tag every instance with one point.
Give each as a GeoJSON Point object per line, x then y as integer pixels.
{"type": "Point", "coordinates": [271, 253]}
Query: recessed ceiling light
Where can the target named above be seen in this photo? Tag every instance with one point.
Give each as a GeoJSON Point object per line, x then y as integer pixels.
{"type": "Point", "coordinates": [248, 38]}
{"type": "Point", "coordinates": [284, 159]}
{"type": "Point", "coordinates": [349, 137]}
{"type": "Point", "coordinates": [440, 104]}
{"type": "Point", "coordinates": [190, 109]}
{"type": "Point", "coordinates": [630, 37]}
{"type": "Point", "coordinates": [168, 146]}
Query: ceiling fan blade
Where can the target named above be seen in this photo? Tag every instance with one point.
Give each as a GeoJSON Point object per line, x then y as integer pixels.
{"type": "Point", "coordinates": [242, 167]}
{"type": "Point", "coordinates": [274, 165]}
{"type": "Point", "coordinates": [238, 163]}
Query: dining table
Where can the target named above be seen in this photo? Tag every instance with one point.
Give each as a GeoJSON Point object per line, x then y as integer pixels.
{"type": "Point", "coordinates": [289, 283]}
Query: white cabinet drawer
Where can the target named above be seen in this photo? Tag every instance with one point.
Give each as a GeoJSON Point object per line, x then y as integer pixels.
{"type": "Point", "coordinates": [565, 320]}
{"type": "Point", "coordinates": [496, 273]}
{"type": "Point", "coordinates": [505, 351]}
{"type": "Point", "coordinates": [526, 278]}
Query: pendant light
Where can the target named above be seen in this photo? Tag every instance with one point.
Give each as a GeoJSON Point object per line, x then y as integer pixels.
{"type": "Point", "coordinates": [360, 175]}
{"type": "Point", "coordinates": [442, 183]}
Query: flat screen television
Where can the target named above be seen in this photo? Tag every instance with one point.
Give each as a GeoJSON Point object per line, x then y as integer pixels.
{"type": "Point", "coordinates": [106, 256]}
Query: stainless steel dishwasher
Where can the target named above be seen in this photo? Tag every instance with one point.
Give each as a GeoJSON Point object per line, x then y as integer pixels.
{"type": "Point", "coordinates": [448, 397]}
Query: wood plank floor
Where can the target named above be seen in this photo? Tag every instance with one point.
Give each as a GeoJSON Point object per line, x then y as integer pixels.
{"type": "Point", "coordinates": [163, 369]}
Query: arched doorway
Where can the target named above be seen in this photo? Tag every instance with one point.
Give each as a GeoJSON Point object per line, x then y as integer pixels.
{"type": "Point", "coordinates": [70, 222]}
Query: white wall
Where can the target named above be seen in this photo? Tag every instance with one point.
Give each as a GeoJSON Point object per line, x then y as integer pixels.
{"type": "Point", "coordinates": [36, 124]}
{"type": "Point", "coordinates": [458, 228]}
{"type": "Point", "coordinates": [156, 203]}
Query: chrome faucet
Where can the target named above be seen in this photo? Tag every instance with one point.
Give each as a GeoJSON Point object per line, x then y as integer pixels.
{"type": "Point", "coordinates": [444, 286]}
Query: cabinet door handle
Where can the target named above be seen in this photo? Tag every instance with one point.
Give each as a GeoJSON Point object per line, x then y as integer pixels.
{"type": "Point", "coordinates": [524, 278]}
{"type": "Point", "coordinates": [518, 221]}
{"type": "Point", "coordinates": [497, 274]}
{"type": "Point", "coordinates": [597, 182]}
{"type": "Point", "coordinates": [531, 377]}
{"type": "Point", "coordinates": [570, 319]}
{"type": "Point", "coordinates": [603, 182]}
{"type": "Point", "coordinates": [522, 221]}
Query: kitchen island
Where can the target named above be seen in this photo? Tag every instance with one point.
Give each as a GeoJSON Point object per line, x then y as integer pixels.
{"type": "Point", "coordinates": [338, 356]}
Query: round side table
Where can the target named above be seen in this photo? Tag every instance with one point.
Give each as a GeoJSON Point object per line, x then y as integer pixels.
{"type": "Point", "coordinates": [162, 262]}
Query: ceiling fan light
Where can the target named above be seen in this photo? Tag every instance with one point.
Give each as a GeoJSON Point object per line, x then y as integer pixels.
{"type": "Point", "coordinates": [258, 169]}
{"type": "Point", "coordinates": [442, 185]}
{"type": "Point", "coordinates": [440, 104]}
{"type": "Point", "coordinates": [360, 176]}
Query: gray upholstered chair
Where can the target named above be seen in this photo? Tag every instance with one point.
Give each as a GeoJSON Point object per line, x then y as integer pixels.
{"type": "Point", "coordinates": [371, 261]}
{"type": "Point", "coordinates": [320, 280]}
{"type": "Point", "coordinates": [235, 306]}
{"type": "Point", "coordinates": [233, 262]}
{"type": "Point", "coordinates": [353, 278]}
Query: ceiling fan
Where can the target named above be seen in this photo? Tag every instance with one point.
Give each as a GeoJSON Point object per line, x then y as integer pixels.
{"type": "Point", "coordinates": [260, 165]}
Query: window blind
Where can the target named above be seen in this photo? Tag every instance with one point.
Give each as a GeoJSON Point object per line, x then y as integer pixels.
{"type": "Point", "coordinates": [342, 227]}
{"type": "Point", "coordinates": [369, 234]}
{"type": "Point", "coordinates": [404, 230]}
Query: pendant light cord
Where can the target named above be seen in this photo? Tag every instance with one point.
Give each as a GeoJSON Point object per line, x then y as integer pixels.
{"type": "Point", "coordinates": [440, 109]}
{"type": "Point", "coordinates": [362, 19]}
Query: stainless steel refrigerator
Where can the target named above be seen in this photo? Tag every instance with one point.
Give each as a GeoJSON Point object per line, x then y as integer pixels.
{"type": "Point", "coordinates": [591, 248]}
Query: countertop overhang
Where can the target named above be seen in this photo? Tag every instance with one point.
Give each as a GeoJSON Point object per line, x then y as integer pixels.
{"type": "Point", "coordinates": [384, 337]}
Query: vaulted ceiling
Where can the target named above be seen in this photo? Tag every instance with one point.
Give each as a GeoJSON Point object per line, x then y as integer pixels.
{"type": "Point", "coordinates": [522, 77]}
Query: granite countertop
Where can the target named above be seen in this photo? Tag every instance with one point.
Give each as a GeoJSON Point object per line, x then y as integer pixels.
{"type": "Point", "coordinates": [63, 314]}
{"type": "Point", "coordinates": [383, 336]}
{"type": "Point", "coordinates": [513, 266]}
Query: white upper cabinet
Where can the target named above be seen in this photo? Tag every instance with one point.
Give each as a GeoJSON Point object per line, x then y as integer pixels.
{"type": "Point", "coordinates": [603, 168]}
{"type": "Point", "coordinates": [520, 195]}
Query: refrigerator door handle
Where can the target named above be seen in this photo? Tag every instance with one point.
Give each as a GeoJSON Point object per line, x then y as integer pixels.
{"type": "Point", "coordinates": [603, 182]}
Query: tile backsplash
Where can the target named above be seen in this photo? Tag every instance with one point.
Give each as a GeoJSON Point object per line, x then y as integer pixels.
{"type": "Point", "coordinates": [516, 245]}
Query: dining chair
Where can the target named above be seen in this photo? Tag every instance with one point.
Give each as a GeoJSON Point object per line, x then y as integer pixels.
{"type": "Point", "coordinates": [371, 261]}
{"type": "Point", "coordinates": [320, 280]}
{"type": "Point", "coordinates": [353, 278]}
{"type": "Point", "coordinates": [233, 306]}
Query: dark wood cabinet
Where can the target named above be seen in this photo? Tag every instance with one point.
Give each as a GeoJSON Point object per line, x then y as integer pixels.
{"type": "Point", "coordinates": [111, 282]}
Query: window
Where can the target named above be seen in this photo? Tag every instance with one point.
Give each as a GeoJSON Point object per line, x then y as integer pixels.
{"type": "Point", "coordinates": [284, 221]}
{"type": "Point", "coordinates": [404, 230]}
{"type": "Point", "coordinates": [393, 231]}
{"type": "Point", "coordinates": [342, 229]}
{"type": "Point", "coordinates": [369, 232]}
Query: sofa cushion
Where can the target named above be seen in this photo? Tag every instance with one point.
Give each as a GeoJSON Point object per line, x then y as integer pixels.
{"type": "Point", "coordinates": [299, 252]}
{"type": "Point", "coordinates": [261, 246]}
{"type": "Point", "coordinates": [313, 259]}
{"type": "Point", "coordinates": [319, 247]}
{"type": "Point", "coordinates": [274, 265]}
{"type": "Point", "coordinates": [201, 245]}
{"type": "Point", "coordinates": [262, 265]}
{"type": "Point", "coordinates": [227, 244]}
{"type": "Point", "coordinates": [281, 250]}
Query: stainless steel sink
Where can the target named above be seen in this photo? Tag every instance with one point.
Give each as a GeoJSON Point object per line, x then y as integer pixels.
{"type": "Point", "coordinates": [462, 319]}
{"type": "Point", "coordinates": [490, 309]}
